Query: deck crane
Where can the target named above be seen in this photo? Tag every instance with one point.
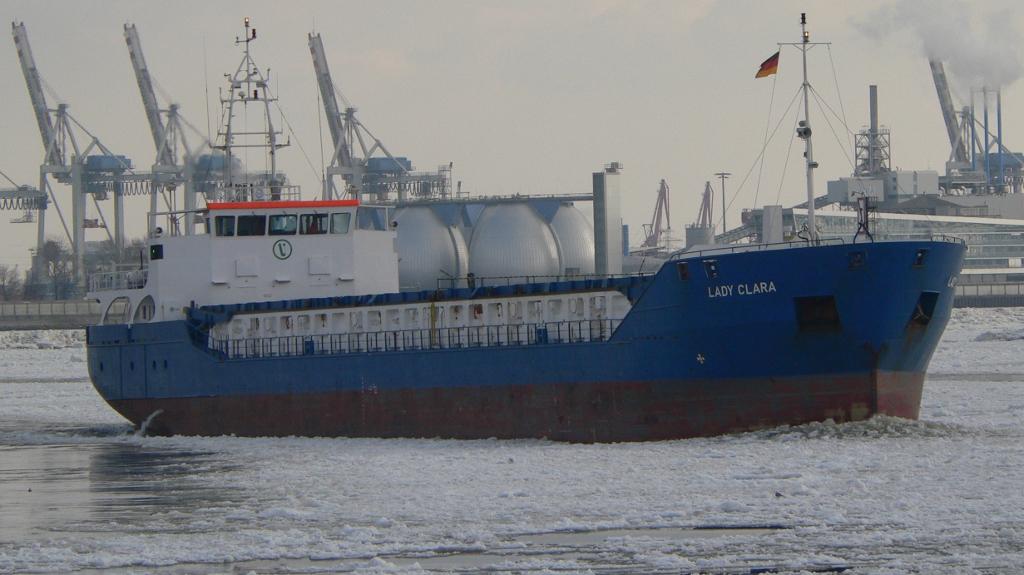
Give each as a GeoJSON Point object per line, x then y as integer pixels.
{"type": "Point", "coordinates": [168, 137]}
{"type": "Point", "coordinates": [363, 175]}
{"type": "Point", "coordinates": [97, 176]}
{"type": "Point", "coordinates": [653, 231]}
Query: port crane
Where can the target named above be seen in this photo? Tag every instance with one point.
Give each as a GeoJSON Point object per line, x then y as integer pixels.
{"type": "Point", "coordinates": [980, 166]}
{"type": "Point", "coordinates": [176, 162]}
{"type": "Point", "coordinates": [653, 231]}
{"type": "Point", "coordinates": [96, 177]}
{"type": "Point", "coordinates": [386, 177]}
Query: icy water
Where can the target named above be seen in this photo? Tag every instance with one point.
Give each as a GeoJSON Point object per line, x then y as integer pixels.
{"type": "Point", "coordinates": [79, 492]}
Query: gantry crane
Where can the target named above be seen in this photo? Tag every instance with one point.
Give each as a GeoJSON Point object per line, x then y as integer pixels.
{"type": "Point", "coordinates": [381, 177]}
{"type": "Point", "coordinates": [98, 176]}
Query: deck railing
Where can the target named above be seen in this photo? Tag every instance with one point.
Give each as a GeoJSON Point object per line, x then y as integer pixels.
{"type": "Point", "coordinates": [496, 281]}
{"type": "Point", "coordinates": [415, 339]}
{"type": "Point", "coordinates": [260, 191]}
{"type": "Point", "coordinates": [829, 241]}
{"type": "Point", "coordinates": [118, 280]}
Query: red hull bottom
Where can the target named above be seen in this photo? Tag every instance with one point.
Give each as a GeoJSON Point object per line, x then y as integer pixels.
{"type": "Point", "coordinates": [597, 412]}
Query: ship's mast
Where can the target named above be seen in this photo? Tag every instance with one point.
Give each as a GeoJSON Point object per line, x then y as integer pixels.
{"type": "Point", "coordinates": [804, 131]}
{"type": "Point", "coordinates": [248, 85]}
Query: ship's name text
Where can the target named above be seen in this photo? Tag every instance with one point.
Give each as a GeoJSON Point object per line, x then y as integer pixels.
{"type": "Point", "coordinates": [741, 289]}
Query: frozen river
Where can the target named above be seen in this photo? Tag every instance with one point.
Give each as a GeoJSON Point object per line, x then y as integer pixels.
{"type": "Point", "coordinates": [80, 492]}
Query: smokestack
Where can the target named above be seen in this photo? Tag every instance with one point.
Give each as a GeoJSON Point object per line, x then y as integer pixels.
{"type": "Point", "coordinates": [874, 108]}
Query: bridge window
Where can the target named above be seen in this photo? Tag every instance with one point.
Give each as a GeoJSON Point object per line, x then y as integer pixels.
{"type": "Point", "coordinates": [283, 225]}
{"type": "Point", "coordinates": [340, 223]}
{"type": "Point", "coordinates": [313, 224]}
{"type": "Point", "coordinates": [252, 225]}
{"type": "Point", "coordinates": [225, 225]}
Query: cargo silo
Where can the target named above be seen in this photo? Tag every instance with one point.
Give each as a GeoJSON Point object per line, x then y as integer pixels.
{"type": "Point", "coordinates": [513, 240]}
{"type": "Point", "coordinates": [576, 236]}
{"type": "Point", "coordinates": [699, 235]}
{"type": "Point", "coordinates": [428, 249]}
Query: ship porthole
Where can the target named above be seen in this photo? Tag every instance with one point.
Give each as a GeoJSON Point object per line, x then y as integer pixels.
{"type": "Point", "coordinates": [165, 364]}
{"type": "Point", "coordinates": [154, 364]}
{"type": "Point", "coordinates": [131, 365]}
{"type": "Point", "coordinates": [101, 366]}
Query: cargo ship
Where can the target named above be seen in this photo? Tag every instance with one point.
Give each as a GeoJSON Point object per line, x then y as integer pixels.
{"type": "Point", "coordinates": [282, 316]}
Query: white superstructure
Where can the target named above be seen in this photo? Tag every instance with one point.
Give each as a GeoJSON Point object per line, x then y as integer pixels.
{"type": "Point", "coordinates": [253, 252]}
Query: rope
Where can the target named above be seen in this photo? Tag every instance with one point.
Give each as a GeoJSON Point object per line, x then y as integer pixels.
{"type": "Point", "coordinates": [789, 152]}
{"type": "Point", "coordinates": [297, 140]}
{"type": "Point", "coordinates": [767, 125]}
{"type": "Point", "coordinates": [824, 116]}
{"type": "Point", "coordinates": [13, 183]}
{"type": "Point", "coordinates": [735, 193]}
{"type": "Point", "coordinates": [839, 93]}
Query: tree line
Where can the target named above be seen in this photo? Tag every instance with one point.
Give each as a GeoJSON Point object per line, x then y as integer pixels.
{"type": "Point", "coordinates": [56, 280]}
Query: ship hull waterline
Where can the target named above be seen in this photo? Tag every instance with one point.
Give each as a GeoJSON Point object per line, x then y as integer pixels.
{"type": "Point", "coordinates": [593, 412]}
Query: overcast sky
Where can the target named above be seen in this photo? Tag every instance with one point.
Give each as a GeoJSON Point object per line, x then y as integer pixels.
{"type": "Point", "coordinates": [529, 96]}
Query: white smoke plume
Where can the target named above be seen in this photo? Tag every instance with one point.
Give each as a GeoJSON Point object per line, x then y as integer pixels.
{"type": "Point", "coordinates": [990, 57]}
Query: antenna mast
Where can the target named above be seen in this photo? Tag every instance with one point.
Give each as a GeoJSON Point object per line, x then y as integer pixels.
{"type": "Point", "coordinates": [248, 85]}
{"type": "Point", "coordinates": [803, 131]}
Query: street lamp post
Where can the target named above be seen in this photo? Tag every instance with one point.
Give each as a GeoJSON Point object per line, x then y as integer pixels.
{"type": "Point", "coordinates": [723, 175]}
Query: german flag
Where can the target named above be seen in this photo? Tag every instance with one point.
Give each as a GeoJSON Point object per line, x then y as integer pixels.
{"type": "Point", "coordinates": [769, 66]}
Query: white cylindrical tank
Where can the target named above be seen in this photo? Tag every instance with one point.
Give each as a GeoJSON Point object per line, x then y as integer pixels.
{"type": "Point", "coordinates": [513, 240]}
{"type": "Point", "coordinates": [427, 249]}
{"type": "Point", "coordinates": [576, 236]}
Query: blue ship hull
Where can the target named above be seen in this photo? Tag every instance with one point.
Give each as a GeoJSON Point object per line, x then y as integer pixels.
{"type": "Point", "coordinates": [728, 341]}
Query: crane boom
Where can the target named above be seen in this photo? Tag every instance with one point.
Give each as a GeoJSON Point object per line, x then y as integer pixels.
{"type": "Point", "coordinates": [334, 114]}
{"type": "Point", "coordinates": [36, 94]}
{"type": "Point", "coordinates": [654, 230]}
{"type": "Point", "coordinates": [948, 113]}
{"type": "Point", "coordinates": [165, 155]}
{"type": "Point", "coordinates": [706, 218]}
